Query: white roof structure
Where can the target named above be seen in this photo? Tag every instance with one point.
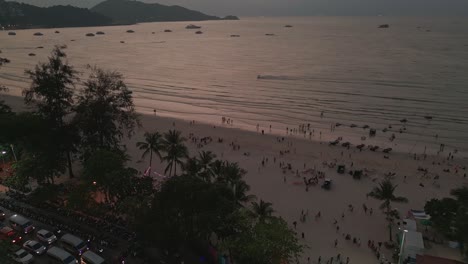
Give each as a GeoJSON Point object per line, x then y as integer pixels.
{"type": "Point", "coordinates": [409, 224]}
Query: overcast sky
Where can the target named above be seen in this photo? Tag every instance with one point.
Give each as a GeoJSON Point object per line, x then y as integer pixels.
{"type": "Point", "coordinates": [304, 7]}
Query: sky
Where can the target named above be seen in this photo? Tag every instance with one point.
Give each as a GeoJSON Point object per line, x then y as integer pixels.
{"type": "Point", "coordinates": [303, 7]}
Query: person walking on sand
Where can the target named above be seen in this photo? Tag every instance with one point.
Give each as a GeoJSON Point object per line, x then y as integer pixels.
{"type": "Point", "coordinates": [336, 242]}
{"type": "Point", "coordinates": [347, 260]}
{"type": "Point", "coordinates": [319, 260]}
{"type": "Point", "coordinates": [303, 235]}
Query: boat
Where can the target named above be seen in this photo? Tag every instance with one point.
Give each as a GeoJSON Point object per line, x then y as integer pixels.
{"type": "Point", "coordinates": [428, 117]}
{"type": "Point", "coordinates": [192, 26]}
{"type": "Point", "coordinates": [40, 47]}
{"type": "Point", "coordinates": [31, 54]}
{"type": "Point", "coordinates": [57, 32]}
{"type": "Point", "coordinates": [235, 36]}
{"type": "Point", "coordinates": [384, 26]}
{"type": "Point", "coordinates": [12, 33]}
{"type": "Point", "coordinates": [288, 26]}
{"type": "Point", "coordinates": [38, 34]}
{"type": "Point", "coordinates": [90, 35]}
{"type": "Point", "coordinates": [199, 32]}
{"type": "Point", "coordinates": [130, 31]}
{"type": "Point", "coordinates": [122, 41]}
{"type": "Point", "coordinates": [100, 33]}
{"type": "Point", "coordinates": [269, 34]}
{"type": "Point", "coordinates": [167, 30]}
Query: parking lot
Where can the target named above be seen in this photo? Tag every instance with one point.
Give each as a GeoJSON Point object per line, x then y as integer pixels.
{"type": "Point", "coordinates": [110, 255]}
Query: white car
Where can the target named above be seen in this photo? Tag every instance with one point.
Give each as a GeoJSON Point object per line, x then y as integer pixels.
{"type": "Point", "coordinates": [34, 247]}
{"type": "Point", "coordinates": [23, 257]}
{"type": "Point", "coordinates": [46, 237]}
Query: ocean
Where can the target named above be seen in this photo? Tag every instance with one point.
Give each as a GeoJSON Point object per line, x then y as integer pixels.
{"type": "Point", "coordinates": [344, 67]}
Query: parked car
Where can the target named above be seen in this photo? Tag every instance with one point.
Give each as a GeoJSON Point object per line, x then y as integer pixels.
{"type": "Point", "coordinates": [6, 233]}
{"type": "Point", "coordinates": [46, 236]}
{"type": "Point", "coordinates": [21, 256]}
{"type": "Point", "coordinates": [61, 256]}
{"type": "Point", "coordinates": [34, 247]}
{"type": "Point", "coordinates": [21, 223]}
{"type": "Point", "coordinates": [73, 244]}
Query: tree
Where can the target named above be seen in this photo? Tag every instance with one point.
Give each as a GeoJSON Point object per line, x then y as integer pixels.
{"type": "Point", "coordinates": [104, 168]}
{"type": "Point", "coordinates": [262, 210]}
{"type": "Point", "coordinates": [5, 252]}
{"type": "Point", "coordinates": [52, 94]}
{"type": "Point", "coordinates": [450, 216]}
{"type": "Point", "coordinates": [105, 111]}
{"type": "Point", "coordinates": [186, 209]}
{"type": "Point", "coordinates": [386, 192]}
{"type": "Point", "coordinates": [205, 159]}
{"type": "Point", "coordinates": [175, 150]}
{"type": "Point", "coordinates": [153, 143]}
{"type": "Point", "coordinates": [263, 242]}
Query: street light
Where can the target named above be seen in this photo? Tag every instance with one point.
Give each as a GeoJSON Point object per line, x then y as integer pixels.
{"type": "Point", "coordinates": [400, 260]}
{"type": "Point", "coordinates": [3, 156]}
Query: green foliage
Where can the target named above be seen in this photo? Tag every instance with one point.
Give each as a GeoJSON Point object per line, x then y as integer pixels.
{"type": "Point", "coordinates": [52, 88]}
{"type": "Point", "coordinates": [80, 197]}
{"type": "Point", "coordinates": [5, 251]}
{"type": "Point", "coordinates": [186, 209]}
{"type": "Point", "coordinates": [450, 216]}
{"type": "Point", "coordinates": [153, 144]}
{"type": "Point", "coordinates": [52, 93]}
{"type": "Point", "coordinates": [264, 242]}
{"type": "Point", "coordinates": [175, 150]}
{"type": "Point", "coordinates": [105, 111]}
{"type": "Point", "coordinates": [262, 210]}
{"type": "Point", "coordinates": [24, 15]}
{"type": "Point", "coordinates": [106, 169]}
{"type": "Point", "coordinates": [386, 192]}
{"type": "Point", "coordinates": [45, 193]}
{"type": "Point", "coordinates": [123, 11]}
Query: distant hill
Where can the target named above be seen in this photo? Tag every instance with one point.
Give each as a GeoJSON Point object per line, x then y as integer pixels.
{"type": "Point", "coordinates": [18, 15]}
{"type": "Point", "coordinates": [126, 11]}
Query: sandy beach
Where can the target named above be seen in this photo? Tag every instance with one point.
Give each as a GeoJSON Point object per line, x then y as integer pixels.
{"type": "Point", "coordinates": [285, 188]}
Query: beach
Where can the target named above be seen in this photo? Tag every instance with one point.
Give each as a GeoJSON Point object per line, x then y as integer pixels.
{"type": "Point", "coordinates": [287, 191]}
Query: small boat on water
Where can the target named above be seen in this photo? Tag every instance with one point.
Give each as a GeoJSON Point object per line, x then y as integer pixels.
{"type": "Point", "coordinates": [404, 120]}
{"type": "Point", "coordinates": [11, 33]}
{"type": "Point", "coordinates": [31, 54]}
{"type": "Point", "coordinates": [384, 26]}
{"type": "Point", "coordinates": [269, 34]}
{"type": "Point", "coordinates": [428, 117]}
{"type": "Point", "coordinates": [167, 30]}
{"type": "Point", "coordinates": [57, 32]}
{"type": "Point", "coordinates": [199, 32]}
{"type": "Point", "coordinates": [100, 33]}
{"type": "Point", "coordinates": [38, 34]}
{"type": "Point", "coordinates": [122, 41]}
{"type": "Point", "coordinates": [130, 31]}
{"type": "Point", "coordinates": [288, 26]}
{"type": "Point", "coordinates": [192, 26]}
{"type": "Point", "coordinates": [40, 47]}
{"type": "Point", "coordinates": [90, 35]}
{"type": "Point", "coordinates": [235, 36]}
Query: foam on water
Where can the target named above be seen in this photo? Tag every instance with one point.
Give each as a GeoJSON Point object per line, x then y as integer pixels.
{"type": "Point", "coordinates": [345, 67]}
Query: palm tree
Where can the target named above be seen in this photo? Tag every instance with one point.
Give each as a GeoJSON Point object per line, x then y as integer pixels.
{"type": "Point", "coordinates": [240, 190]}
{"type": "Point", "coordinates": [231, 173]}
{"type": "Point", "coordinates": [386, 192]}
{"type": "Point", "coordinates": [176, 150]}
{"type": "Point", "coordinates": [205, 160]}
{"type": "Point", "coordinates": [262, 210]}
{"type": "Point", "coordinates": [153, 143]}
